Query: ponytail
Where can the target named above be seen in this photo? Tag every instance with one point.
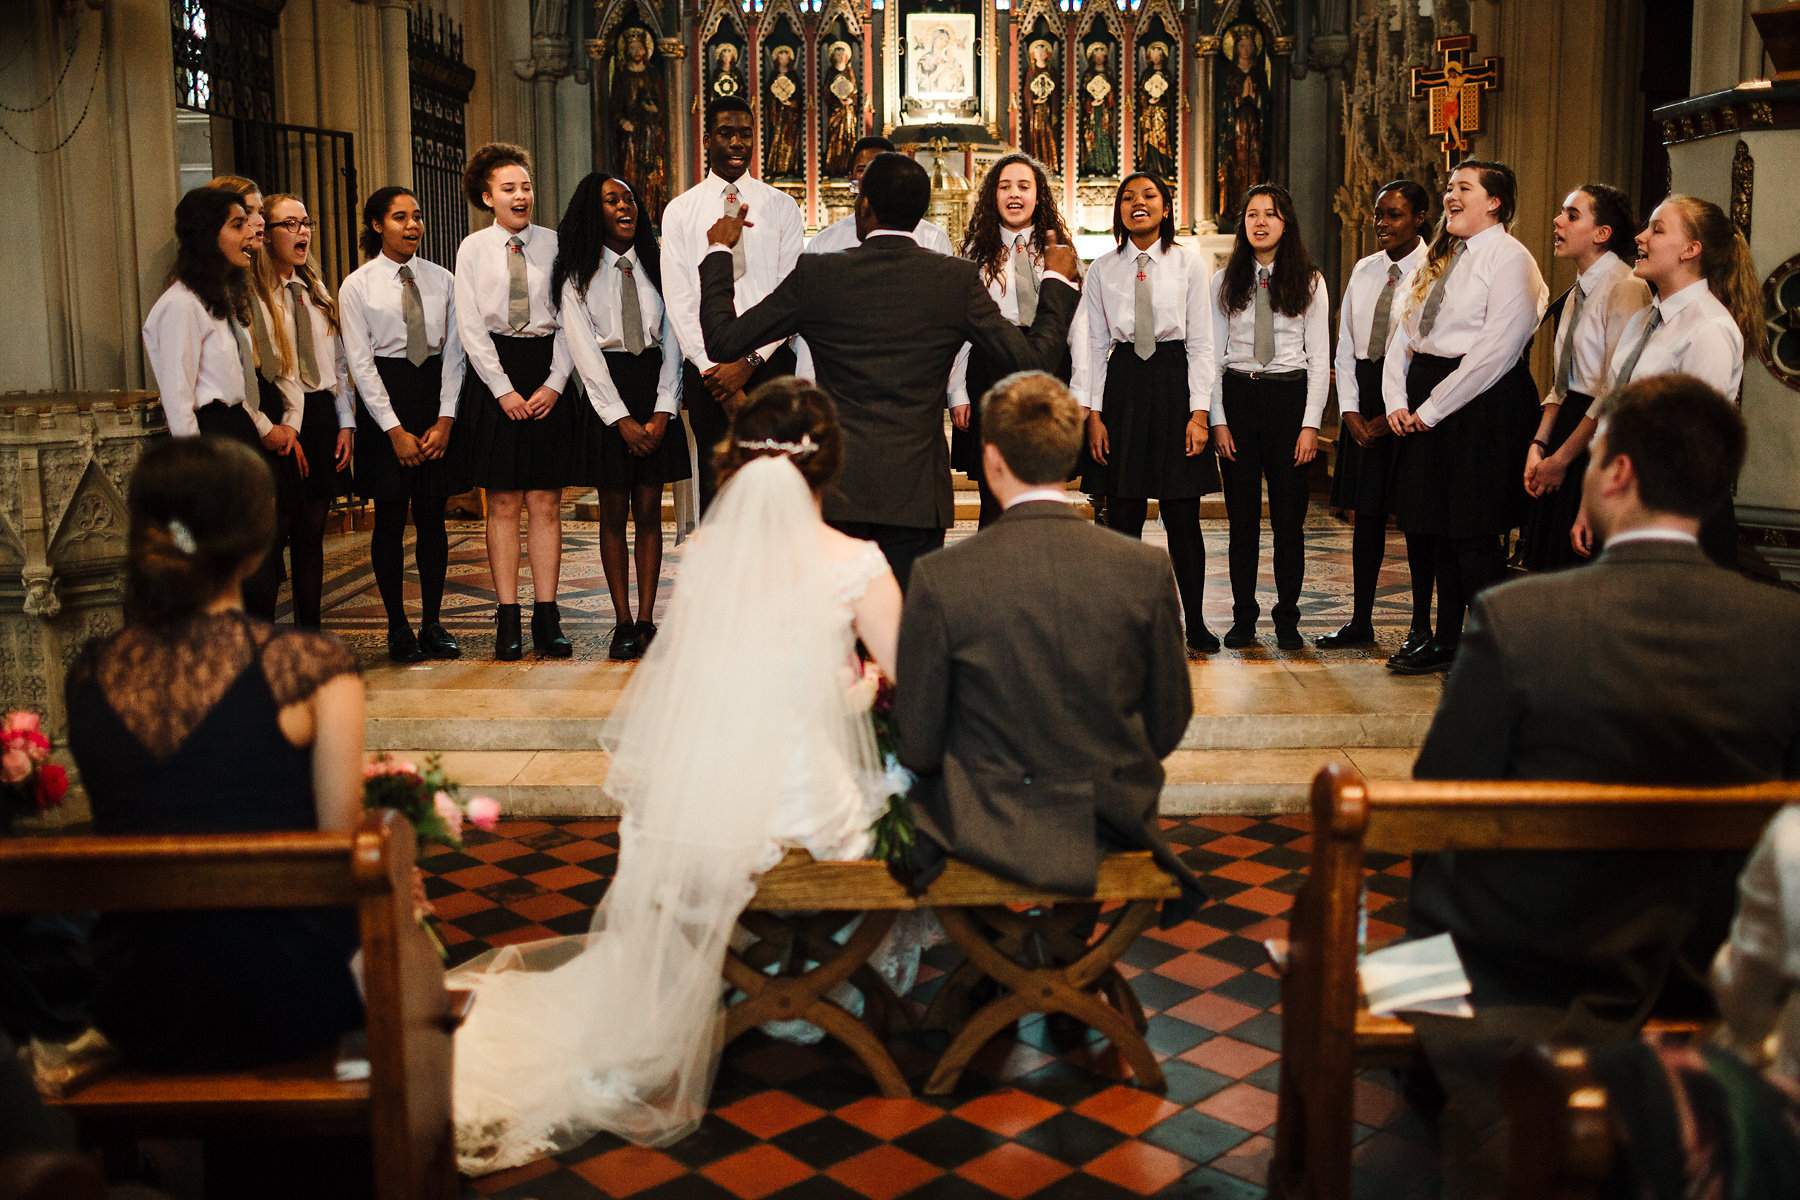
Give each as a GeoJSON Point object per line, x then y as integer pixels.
{"type": "Point", "coordinates": [1726, 266]}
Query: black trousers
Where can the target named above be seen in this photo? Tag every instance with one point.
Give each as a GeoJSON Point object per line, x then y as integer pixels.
{"type": "Point", "coordinates": [709, 421]}
{"type": "Point", "coordinates": [1264, 416]}
{"type": "Point", "coordinates": [900, 544]}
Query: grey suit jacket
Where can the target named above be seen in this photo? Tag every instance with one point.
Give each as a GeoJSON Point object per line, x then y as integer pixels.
{"type": "Point", "coordinates": [884, 322]}
{"type": "Point", "coordinates": [1042, 679]}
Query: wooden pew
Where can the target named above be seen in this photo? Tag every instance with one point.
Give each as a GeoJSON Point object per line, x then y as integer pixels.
{"type": "Point", "coordinates": [1326, 1035]}
{"type": "Point", "coordinates": [1562, 1145]}
{"type": "Point", "coordinates": [404, 1105]}
{"type": "Point", "coordinates": [979, 911]}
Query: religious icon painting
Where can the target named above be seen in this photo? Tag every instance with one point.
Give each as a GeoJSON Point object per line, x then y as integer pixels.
{"type": "Point", "coordinates": [940, 50]}
{"type": "Point", "coordinates": [840, 97]}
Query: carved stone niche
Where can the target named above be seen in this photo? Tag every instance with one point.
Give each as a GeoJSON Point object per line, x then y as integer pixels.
{"type": "Point", "coordinates": [65, 458]}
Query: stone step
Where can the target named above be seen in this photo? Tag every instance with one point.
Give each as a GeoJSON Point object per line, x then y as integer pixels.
{"type": "Point", "coordinates": [968, 506]}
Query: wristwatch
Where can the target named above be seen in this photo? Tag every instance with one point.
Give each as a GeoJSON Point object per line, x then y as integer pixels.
{"type": "Point", "coordinates": [754, 360]}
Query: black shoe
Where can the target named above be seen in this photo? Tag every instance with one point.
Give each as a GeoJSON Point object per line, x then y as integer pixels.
{"type": "Point", "coordinates": [547, 638]}
{"type": "Point", "coordinates": [1432, 656]}
{"type": "Point", "coordinates": [1241, 635]}
{"type": "Point", "coordinates": [436, 642]}
{"type": "Point", "coordinates": [1355, 633]}
{"type": "Point", "coordinates": [403, 647]}
{"type": "Point", "coordinates": [1415, 641]}
{"type": "Point", "coordinates": [646, 633]}
{"type": "Point", "coordinates": [1201, 641]}
{"type": "Point", "coordinates": [1287, 637]}
{"type": "Point", "coordinates": [624, 646]}
{"type": "Point", "coordinates": [508, 644]}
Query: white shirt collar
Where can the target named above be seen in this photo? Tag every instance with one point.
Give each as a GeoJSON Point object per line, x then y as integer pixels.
{"type": "Point", "coordinates": [393, 268]}
{"type": "Point", "coordinates": [1415, 258]}
{"type": "Point", "coordinates": [1039, 493]}
{"type": "Point", "coordinates": [1673, 306]}
{"type": "Point", "coordinates": [908, 234]}
{"type": "Point", "coordinates": [1651, 534]}
{"type": "Point", "coordinates": [506, 235]}
{"type": "Point", "coordinates": [1497, 229]}
{"type": "Point", "coordinates": [720, 184]}
{"type": "Point", "coordinates": [1599, 271]}
{"type": "Point", "coordinates": [608, 258]}
{"type": "Point", "coordinates": [1130, 250]}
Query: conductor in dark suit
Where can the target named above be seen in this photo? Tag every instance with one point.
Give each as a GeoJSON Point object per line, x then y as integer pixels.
{"type": "Point", "coordinates": [1651, 666]}
{"type": "Point", "coordinates": [1043, 673]}
{"type": "Point", "coordinates": [885, 321]}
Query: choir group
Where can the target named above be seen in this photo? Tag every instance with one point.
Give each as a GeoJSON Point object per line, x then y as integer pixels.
{"type": "Point", "coordinates": [415, 384]}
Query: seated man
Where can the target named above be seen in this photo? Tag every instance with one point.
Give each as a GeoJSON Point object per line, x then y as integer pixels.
{"type": "Point", "coordinates": [1043, 673]}
{"type": "Point", "coordinates": [1652, 666]}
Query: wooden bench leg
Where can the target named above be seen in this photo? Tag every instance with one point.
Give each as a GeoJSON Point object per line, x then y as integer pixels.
{"type": "Point", "coordinates": [1075, 988]}
{"type": "Point", "coordinates": [803, 996]}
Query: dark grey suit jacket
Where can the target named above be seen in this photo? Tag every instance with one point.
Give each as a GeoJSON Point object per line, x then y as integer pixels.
{"type": "Point", "coordinates": [884, 322]}
{"type": "Point", "coordinates": [1649, 666]}
{"type": "Point", "coordinates": [1042, 679]}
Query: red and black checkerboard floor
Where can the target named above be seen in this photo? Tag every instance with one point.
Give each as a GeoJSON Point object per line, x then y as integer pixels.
{"type": "Point", "coordinates": [1043, 1113]}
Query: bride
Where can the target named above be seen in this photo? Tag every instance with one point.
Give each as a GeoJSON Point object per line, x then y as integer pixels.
{"type": "Point", "coordinates": [735, 739]}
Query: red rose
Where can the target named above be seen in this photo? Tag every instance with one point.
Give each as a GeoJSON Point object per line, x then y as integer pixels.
{"type": "Point", "coordinates": [52, 785]}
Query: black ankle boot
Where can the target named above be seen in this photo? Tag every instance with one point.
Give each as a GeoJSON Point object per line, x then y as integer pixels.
{"type": "Point", "coordinates": [508, 643]}
{"type": "Point", "coordinates": [547, 638]}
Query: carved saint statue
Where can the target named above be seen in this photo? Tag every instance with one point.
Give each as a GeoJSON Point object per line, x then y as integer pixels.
{"type": "Point", "coordinates": [1043, 107]}
{"type": "Point", "coordinates": [1099, 114]}
{"type": "Point", "coordinates": [639, 139]}
{"type": "Point", "coordinates": [1243, 108]}
{"type": "Point", "coordinates": [728, 70]}
{"type": "Point", "coordinates": [784, 106]}
{"type": "Point", "coordinates": [1156, 123]}
{"type": "Point", "coordinates": [840, 98]}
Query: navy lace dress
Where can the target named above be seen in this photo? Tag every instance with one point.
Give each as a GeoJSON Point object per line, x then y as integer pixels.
{"type": "Point", "coordinates": [175, 732]}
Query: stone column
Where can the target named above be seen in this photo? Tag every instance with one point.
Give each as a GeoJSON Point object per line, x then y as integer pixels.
{"type": "Point", "coordinates": [396, 90]}
{"type": "Point", "coordinates": [678, 166]}
{"type": "Point", "coordinates": [552, 59]}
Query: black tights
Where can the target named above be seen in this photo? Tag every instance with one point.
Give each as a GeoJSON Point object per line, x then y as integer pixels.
{"type": "Point", "coordinates": [1421, 562]}
{"type": "Point", "coordinates": [1465, 566]}
{"type": "Point", "coordinates": [305, 539]}
{"type": "Point", "coordinates": [645, 503]}
{"type": "Point", "coordinates": [431, 550]}
{"type": "Point", "coordinates": [1187, 546]}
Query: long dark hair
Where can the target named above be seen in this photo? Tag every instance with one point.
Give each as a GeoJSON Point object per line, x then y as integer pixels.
{"type": "Point", "coordinates": [199, 263]}
{"type": "Point", "coordinates": [984, 242]}
{"type": "Point", "coordinates": [1612, 208]}
{"type": "Point", "coordinates": [375, 210]}
{"type": "Point", "coordinates": [1290, 279]}
{"type": "Point", "coordinates": [1166, 231]}
{"type": "Point", "coordinates": [201, 508]}
{"type": "Point", "coordinates": [581, 237]}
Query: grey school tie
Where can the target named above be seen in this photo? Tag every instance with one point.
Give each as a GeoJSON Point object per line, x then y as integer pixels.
{"type": "Point", "coordinates": [247, 362]}
{"type": "Point", "coordinates": [412, 308]}
{"type": "Point", "coordinates": [303, 337]}
{"type": "Point", "coordinates": [1565, 362]}
{"type": "Point", "coordinates": [732, 205]}
{"type": "Point", "coordinates": [1264, 349]}
{"type": "Point", "coordinates": [1025, 279]}
{"type": "Point", "coordinates": [263, 347]}
{"type": "Point", "coordinates": [1143, 317]}
{"type": "Point", "coordinates": [1384, 313]}
{"type": "Point", "coordinates": [1637, 351]}
{"type": "Point", "coordinates": [518, 287]}
{"type": "Point", "coordinates": [631, 312]}
{"type": "Point", "coordinates": [1435, 300]}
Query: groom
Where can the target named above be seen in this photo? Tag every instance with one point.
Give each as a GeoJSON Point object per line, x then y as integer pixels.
{"type": "Point", "coordinates": [1044, 675]}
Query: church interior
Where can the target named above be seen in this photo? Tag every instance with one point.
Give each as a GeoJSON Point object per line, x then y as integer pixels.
{"type": "Point", "coordinates": [1206, 1084]}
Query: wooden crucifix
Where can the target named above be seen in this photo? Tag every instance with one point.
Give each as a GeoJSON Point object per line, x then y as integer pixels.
{"type": "Point", "coordinates": [1453, 91]}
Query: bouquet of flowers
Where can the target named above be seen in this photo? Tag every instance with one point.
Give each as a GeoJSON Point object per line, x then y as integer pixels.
{"type": "Point", "coordinates": [894, 830]}
{"type": "Point", "coordinates": [427, 799]}
{"type": "Point", "coordinates": [29, 782]}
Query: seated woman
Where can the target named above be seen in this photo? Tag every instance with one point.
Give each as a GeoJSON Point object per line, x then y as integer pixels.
{"type": "Point", "coordinates": [735, 738]}
{"type": "Point", "coordinates": [196, 718]}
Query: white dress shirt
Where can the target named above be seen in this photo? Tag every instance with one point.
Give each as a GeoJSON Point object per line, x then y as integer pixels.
{"type": "Point", "coordinates": [772, 242]}
{"type": "Point", "coordinates": [194, 357]}
{"type": "Point", "coordinates": [1490, 309]}
{"type": "Point", "coordinates": [592, 326]}
{"type": "Point", "coordinates": [1697, 337]}
{"type": "Point", "coordinates": [1612, 296]}
{"type": "Point", "coordinates": [1107, 316]}
{"type": "Point", "coordinates": [1302, 343]}
{"type": "Point", "coordinates": [1356, 317]}
{"type": "Point", "coordinates": [372, 316]}
{"type": "Point", "coordinates": [481, 301]}
{"type": "Point", "coordinates": [328, 352]}
{"type": "Point", "coordinates": [1055, 494]}
{"type": "Point", "coordinates": [1006, 295]}
{"type": "Point", "coordinates": [841, 235]}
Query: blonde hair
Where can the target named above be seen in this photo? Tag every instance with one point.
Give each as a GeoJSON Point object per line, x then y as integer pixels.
{"type": "Point", "coordinates": [1725, 265]}
{"type": "Point", "coordinates": [269, 285]}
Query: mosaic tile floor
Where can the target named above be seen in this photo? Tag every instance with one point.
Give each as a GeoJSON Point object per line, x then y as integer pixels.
{"type": "Point", "coordinates": [1046, 1112]}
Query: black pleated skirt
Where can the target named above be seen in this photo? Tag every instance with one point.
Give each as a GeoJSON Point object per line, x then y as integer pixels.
{"type": "Point", "coordinates": [318, 441]}
{"type": "Point", "coordinates": [530, 455]}
{"type": "Point", "coordinates": [413, 393]}
{"type": "Point", "coordinates": [1145, 411]}
{"type": "Point", "coordinates": [1544, 537]}
{"type": "Point", "coordinates": [981, 374]}
{"type": "Point", "coordinates": [236, 423]}
{"type": "Point", "coordinates": [1466, 476]}
{"type": "Point", "coordinates": [611, 464]}
{"type": "Point", "coordinates": [1365, 474]}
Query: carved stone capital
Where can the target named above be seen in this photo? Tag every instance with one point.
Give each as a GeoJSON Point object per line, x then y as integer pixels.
{"type": "Point", "coordinates": [1328, 51]}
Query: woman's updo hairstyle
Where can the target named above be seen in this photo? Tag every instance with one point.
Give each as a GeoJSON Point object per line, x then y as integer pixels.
{"type": "Point", "coordinates": [786, 416]}
{"type": "Point", "coordinates": [202, 510]}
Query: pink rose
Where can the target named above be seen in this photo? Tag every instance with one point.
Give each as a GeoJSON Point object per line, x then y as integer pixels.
{"type": "Point", "coordinates": [15, 766]}
{"type": "Point", "coordinates": [22, 722]}
{"type": "Point", "coordinates": [37, 746]}
{"type": "Point", "coordinates": [52, 786]}
{"type": "Point", "coordinates": [449, 812]}
{"type": "Point", "coordinates": [484, 813]}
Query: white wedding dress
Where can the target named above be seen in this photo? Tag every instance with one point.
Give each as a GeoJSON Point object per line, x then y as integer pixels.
{"type": "Point", "coordinates": [736, 738]}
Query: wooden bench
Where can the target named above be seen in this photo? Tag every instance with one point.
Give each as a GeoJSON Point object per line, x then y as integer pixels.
{"type": "Point", "coordinates": [1326, 1035]}
{"type": "Point", "coordinates": [1563, 1146]}
{"type": "Point", "coordinates": [404, 1104]}
{"type": "Point", "coordinates": [801, 904]}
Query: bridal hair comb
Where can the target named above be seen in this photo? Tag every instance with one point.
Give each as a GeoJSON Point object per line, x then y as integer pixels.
{"type": "Point", "coordinates": [182, 536]}
{"type": "Point", "coordinates": [799, 449]}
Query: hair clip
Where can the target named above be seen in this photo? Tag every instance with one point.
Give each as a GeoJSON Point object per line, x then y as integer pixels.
{"type": "Point", "coordinates": [799, 449]}
{"type": "Point", "coordinates": [182, 536]}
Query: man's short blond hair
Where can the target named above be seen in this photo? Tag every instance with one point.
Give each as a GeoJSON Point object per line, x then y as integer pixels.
{"type": "Point", "coordinates": [1035, 423]}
